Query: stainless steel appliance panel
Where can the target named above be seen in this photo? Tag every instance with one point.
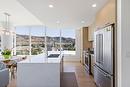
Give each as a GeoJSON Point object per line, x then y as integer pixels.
{"type": "Point", "coordinates": [104, 49]}
{"type": "Point", "coordinates": [108, 50]}
{"type": "Point", "coordinates": [101, 78]}
{"type": "Point", "coordinates": [98, 45]}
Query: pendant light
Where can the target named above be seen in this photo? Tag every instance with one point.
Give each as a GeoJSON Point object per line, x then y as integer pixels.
{"type": "Point", "coordinates": [7, 23]}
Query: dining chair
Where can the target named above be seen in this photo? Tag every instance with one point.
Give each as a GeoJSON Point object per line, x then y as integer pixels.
{"type": "Point", "coordinates": [4, 75]}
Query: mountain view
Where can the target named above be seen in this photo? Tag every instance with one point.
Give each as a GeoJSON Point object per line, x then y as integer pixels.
{"type": "Point", "coordinates": [38, 44]}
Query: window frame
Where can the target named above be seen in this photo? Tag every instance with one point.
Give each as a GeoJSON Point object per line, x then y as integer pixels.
{"type": "Point", "coordinates": [45, 33]}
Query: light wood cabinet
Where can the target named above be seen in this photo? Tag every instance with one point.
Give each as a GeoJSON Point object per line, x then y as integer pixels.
{"type": "Point", "coordinates": [90, 34]}
{"type": "Point", "coordinates": [85, 43]}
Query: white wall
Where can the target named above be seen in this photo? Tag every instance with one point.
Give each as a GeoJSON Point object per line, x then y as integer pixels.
{"type": "Point", "coordinates": [19, 15]}
{"type": "Point", "coordinates": [123, 25]}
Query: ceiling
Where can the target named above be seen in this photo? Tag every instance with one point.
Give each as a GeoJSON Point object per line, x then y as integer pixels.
{"type": "Point", "coordinates": [69, 13]}
{"type": "Point", "coordinates": [19, 15]}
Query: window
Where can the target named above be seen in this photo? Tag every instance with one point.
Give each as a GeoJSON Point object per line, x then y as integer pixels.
{"type": "Point", "coordinates": [53, 40]}
{"type": "Point", "coordinates": [31, 40]}
{"type": "Point", "coordinates": [0, 45]}
{"type": "Point", "coordinates": [22, 41]}
{"type": "Point", "coordinates": [68, 41]}
{"type": "Point", "coordinates": [37, 40]}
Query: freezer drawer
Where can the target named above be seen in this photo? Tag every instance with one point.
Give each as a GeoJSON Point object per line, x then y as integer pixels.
{"type": "Point", "coordinates": [102, 79]}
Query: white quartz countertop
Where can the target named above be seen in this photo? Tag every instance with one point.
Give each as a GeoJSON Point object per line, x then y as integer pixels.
{"type": "Point", "coordinates": [41, 59]}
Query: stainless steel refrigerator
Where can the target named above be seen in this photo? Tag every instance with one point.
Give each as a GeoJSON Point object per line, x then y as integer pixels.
{"type": "Point", "coordinates": [104, 56]}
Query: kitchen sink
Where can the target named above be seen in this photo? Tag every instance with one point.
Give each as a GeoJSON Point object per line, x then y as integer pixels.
{"type": "Point", "coordinates": [53, 55]}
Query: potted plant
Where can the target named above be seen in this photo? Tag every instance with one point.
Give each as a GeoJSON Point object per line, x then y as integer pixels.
{"type": "Point", "coordinates": [6, 53]}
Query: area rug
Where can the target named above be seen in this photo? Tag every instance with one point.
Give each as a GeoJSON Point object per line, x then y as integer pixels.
{"type": "Point", "coordinates": [69, 80]}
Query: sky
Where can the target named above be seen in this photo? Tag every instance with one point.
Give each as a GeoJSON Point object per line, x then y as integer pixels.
{"type": "Point", "coordinates": [40, 30]}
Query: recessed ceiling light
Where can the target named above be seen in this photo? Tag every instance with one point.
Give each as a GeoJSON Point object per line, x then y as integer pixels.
{"type": "Point", "coordinates": [51, 6]}
{"type": "Point", "coordinates": [94, 5]}
{"type": "Point", "coordinates": [82, 22]}
{"type": "Point", "coordinates": [57, 22]}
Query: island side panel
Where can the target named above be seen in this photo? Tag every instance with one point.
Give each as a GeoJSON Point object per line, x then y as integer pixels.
{"type": "Point", "coordinates": [38, 75]}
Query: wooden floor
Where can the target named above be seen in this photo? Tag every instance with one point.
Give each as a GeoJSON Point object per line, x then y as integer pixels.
{"type": "Point", "coordinates": [83, 79]}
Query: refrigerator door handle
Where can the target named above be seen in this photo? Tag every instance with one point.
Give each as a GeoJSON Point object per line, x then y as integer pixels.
{"type": "Point", "coordinates": [102, 72]}
{"type": "Point", "coordinates": [107, 76]}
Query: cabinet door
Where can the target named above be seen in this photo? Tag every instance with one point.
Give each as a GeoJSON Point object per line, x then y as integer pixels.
{"type": "Point", "coordinates": [91, 34]}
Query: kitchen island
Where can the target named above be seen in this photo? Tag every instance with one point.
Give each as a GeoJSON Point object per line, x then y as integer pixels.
{"type": "Point", "coordinates": [38, 71]}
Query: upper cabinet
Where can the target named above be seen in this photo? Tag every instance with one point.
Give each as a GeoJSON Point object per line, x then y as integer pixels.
{"type": "Point", "coordinates": [107, 15]}
{"type": "Point", "coordinates": [90, 34]}
{"type": "Point", "coordinates": [85, 42]}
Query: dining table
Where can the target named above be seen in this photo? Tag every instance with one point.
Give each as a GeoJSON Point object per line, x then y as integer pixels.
{"type": "Point", "coordinates": [11, 64]}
